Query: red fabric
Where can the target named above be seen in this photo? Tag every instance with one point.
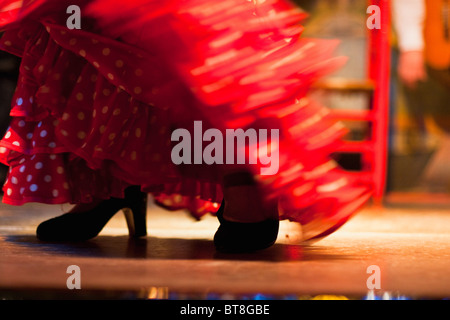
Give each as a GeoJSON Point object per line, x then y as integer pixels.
{"type": "Point", "coordinates": [94, 108]}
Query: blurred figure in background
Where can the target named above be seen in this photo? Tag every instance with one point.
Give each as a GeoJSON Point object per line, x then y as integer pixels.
{"type": "Point", "coordinates": [424, 41]}
{"type": "Point", "coordinates": [423, 38]}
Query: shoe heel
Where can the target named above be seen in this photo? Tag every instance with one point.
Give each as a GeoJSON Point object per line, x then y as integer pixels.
{"type": "Point", "coordinates": [136, 217]}
{"type": "Point", "coordinates": [136, 223]}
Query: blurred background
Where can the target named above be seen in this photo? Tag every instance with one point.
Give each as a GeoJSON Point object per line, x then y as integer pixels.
{"type": "Point", "coordinates": [418, 146]}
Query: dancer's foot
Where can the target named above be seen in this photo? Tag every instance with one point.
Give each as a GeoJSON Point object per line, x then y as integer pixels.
{"type": "Point", "coordinates": [85, 221]}
{"type": "Point", "coordinates": [247, 222]}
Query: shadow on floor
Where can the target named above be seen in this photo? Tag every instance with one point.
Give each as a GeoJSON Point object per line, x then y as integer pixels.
{"type": "Point", "coordinates": [170, 248]}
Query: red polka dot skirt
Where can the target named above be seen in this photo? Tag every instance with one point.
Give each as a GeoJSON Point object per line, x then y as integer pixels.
{"type": "Point", "coordinates": [95, 107]}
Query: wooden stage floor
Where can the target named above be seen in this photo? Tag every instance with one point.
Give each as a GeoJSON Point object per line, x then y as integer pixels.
{"type": "Point", "coordinates": [410, 246]}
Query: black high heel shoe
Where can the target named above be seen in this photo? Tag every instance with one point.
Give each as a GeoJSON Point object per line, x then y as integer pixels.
{"type": "Point", "coordinates": [240, 237]}
{"type": "Point", "coordinates": [82, 226]}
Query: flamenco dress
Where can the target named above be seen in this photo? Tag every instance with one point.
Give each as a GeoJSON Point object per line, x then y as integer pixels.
{"type": "Point", "coordinates": [95, 107]}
